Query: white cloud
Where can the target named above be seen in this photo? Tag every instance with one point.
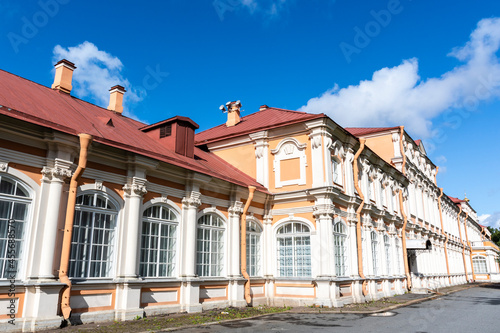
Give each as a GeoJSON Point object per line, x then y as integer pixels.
{"type": "Point", "coordinates": [97, 71]}
{"type": "Point", "coordinates": [491, 220]}
{"type": "Point", "coordinates": [398, 96]}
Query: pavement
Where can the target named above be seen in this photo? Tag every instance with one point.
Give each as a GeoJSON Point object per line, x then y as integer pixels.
{"type": "Point", "coordinates": [189, 321]}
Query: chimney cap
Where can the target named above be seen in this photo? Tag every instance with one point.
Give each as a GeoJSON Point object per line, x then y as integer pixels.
{"type": "Point", "coordinates": [263, 107]}
{"type": "Point", "coordinates": [119, 88]}
{"type": "Point", "coordinates": [68, 64]}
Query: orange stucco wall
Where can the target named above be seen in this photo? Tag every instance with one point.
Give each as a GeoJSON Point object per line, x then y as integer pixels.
{"type": "Point", "coordinates": [383, 146]}
{"type": "Point", "coordinates": [241, 157]}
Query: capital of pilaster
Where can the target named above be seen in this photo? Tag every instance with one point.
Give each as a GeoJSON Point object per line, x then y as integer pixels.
{"type": "Point", "coordinates": [55, 173]}
{"type": "Point", "coordinates": [325, 211]}
{"type": "Point", "coordinates": [236, 209]}
{"type": "Point", "coordinates": [136, 187]}
{"type": "Point", "coordinates": [268, 219]}
{"type": "Point", "coordinates": [192, 200]}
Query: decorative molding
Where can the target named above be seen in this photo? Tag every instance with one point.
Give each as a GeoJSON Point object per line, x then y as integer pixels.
{"type": "Point", "coordinates": [98, 185]}
{"type": "Point", "coordinates": [4, 166]}
{"type": "Point", "coordinates": [136, 187]}
{"type": "Point", "coordinates": [56, 173]}
{"type": "Point", "coordinates": [324, 211]}
{"type": "Point", "coordinates": [236, 208]}
{"type": "Point", "coordinates": [192, 200]}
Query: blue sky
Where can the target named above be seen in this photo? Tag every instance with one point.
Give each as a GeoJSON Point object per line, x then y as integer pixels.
{"type": "Point", "coordinates": [431, 66]}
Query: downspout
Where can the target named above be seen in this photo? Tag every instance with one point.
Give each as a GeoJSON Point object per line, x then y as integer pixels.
{"type": "Point", "coordinates": [85, 140]}
{"type": "Point", "coordinates": [401, 206]}
{"type": "Point", "coordinates": [243, 247]}
{"type": "Point", "coordinates": [403, 238]}
{"type": "Point", "coordinates": [470, 247]}
{"type": "Point", "coordinates": [462, 241]}
{"type": "Point", "coordinates": [442, 231]}
{"type": "Point", "coordinates": [401, 134]}
{"type": "Point", "coordinates": [358, 214]}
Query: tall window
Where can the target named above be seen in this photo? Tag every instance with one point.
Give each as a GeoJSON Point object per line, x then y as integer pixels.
{"type": "Point", "coordinates": [340, 248]}
{"type": "Point", "coordinates": [387, 247]}
{"type": "Point", "coordinates": [93, 236]}
{"type": "Point", "coordinates": [253, 248]}
{"type": "Point", "coordinates": [336, 171]}
{"type": "Point", "coordinates": [210, 246]}
{"type": "Point", "coordinates": [374, 241]}
{"type": "Point", "coordinates": [294, 250]}
{"type": "Point", "coordinates": [14, 204]}
{"type": "Point", "coordinates": [479, 264]}
{"type": "Point", "coordinates": [159, 239]}
{"type": "Point", "coordinates": [399, 256]}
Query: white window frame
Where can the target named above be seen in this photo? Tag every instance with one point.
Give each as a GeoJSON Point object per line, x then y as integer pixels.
{"type": "Point", "coordinates": [77, 246]}
{"type": "Point", "coordinates": [387, 250]}
{"type": "Point", "coordinates": [205, 267]}
{"type": "Point", "coordinates": [340, 248]}
{"type": "Point", "coordinates": [300, 263]}
{"type": "Point", "coordinates": [12, 261]}
{"type": "Point", "coordinates": [478, 263]}
{"type": "Point", "coordinates": [288, 149]}
{"type": "Point", "coordinates": [171, 224]}
{"type": "Point", "coordinates": [374, 247]}
{"type": "Point", "coordinates": [254, 248]}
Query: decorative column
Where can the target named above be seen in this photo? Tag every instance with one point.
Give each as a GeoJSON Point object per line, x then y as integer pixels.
{"type": "Point", "coordinates": [323, 257]}
{"type": "Point", "coordinates": [316, 138]}
{"type": "Point", "coordinates": [190, 290]}
{"type": "Point", "coordinates": [134, 192]}
{"type": "Point", "coordinates": [233, 248]}
{"type": "Point", "coordinates": [53, 180]}
{"type": "Point", "coordinates": [261, 157]}
{"type": "Point", "coordinates": [190, 203]}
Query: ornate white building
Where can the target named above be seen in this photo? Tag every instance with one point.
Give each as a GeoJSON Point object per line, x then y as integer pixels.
{"type": "Point", "coordinates": [105, 218]}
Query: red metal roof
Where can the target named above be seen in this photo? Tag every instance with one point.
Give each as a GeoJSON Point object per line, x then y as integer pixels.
{"type": "Point", "coordinates": [37, 104]}
{"type": "Point", "coordinates": [455, 200]}
{"type": "Point", "coordinates": [258, 121]}
{"type": "Point", "coordinates": [417, 142]}
{"type": "Point", "coordinates": [358, 131]}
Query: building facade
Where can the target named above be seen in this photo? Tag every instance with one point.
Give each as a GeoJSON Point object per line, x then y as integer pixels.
{"type": "Point", "coordinates": [105, 218]}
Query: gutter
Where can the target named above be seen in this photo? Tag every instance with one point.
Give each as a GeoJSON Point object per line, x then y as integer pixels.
{"type": "Point", "coordinates": [442, 232]}
{"type": "Point", "coordinates": [85, 140]}
{"type": "Point", "coordinates": [243, 245]}
{"type": "Point", "coordinates": [358, 215]}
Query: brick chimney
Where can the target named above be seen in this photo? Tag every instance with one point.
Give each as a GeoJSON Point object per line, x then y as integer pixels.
{"type": "Point", "coordinates": [233, 113]}
{"type": "Point", "coordinates": [64, 75]}
{"type": "Point", "coordinates": [176, 133]}
{"type": "Point", "coordinates": [116, 98]}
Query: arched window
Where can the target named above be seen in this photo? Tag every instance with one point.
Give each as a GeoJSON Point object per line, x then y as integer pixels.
{"type": "Point", "coordinates": [374, 242]}
{"type": "Point", "coordinates": [210, 246]}
{"type": "Point", "coordinates": [14, 206]}
{"type": "Point", "coordinates": [336, 171]}
{"type": "Point", "coordinates": [159, 240]}
{"type": "Point", "coordinates": [253, 248]}
{"type": "Point", "coordinates": [92, 243]}
{"type": "Point", "coordinates": [387, 247]}
{"type": "Point", "coordinates": [294, 250]}
{"type": "Point", "coordinates": [340, 248]}
{"type": "Point", "coordinates": [479, 264]}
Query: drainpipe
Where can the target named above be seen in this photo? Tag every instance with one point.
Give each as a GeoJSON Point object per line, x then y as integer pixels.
{"type": "Point", "coordinates": [358, 214]}
{"type": "Point", "coordinates": [85, 140]}
{"type": "Point", "coordinates": [470, 247]}
{"type": "Point", "coordinates": [401, 134]}
{"type": "Point", "coordinates": [401, 206]}
{"type": "Point", "coordinates": [463, 245]}
{"type": "Point", "coordinates": [442, 231]}
{"type": "Point", "coordinates": [243, 247]}
{"type": "Point", "coordinates": [403, 238]}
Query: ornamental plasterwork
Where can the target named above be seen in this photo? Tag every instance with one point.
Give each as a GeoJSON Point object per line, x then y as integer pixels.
{"type": "Point", "coordinates": [323, 211]}
{"type": "Point", "coordinates": [55, 173]}
{"type": "Point", "coordinates": [98, 185]}
{"type": "Point", "coordinates": [236, 208]}
{"type": "Point", "coordinates": [4, 166]}
{"type": "Point", "coordinates": [289, 149]}
{"type": "Point", "coordinates": [193, 200]}
{"type": "Point", "coordinates": [138, 187]}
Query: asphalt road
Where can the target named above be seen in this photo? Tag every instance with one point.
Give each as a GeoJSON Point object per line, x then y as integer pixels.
{"type": "Point", "coordinates": [471, 310]}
